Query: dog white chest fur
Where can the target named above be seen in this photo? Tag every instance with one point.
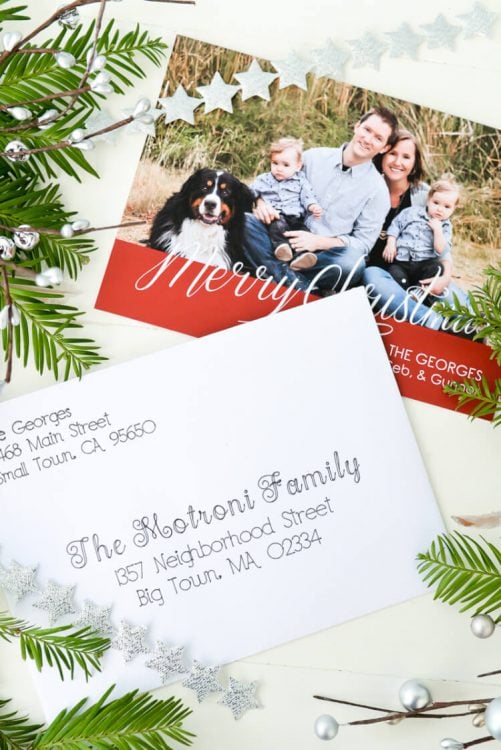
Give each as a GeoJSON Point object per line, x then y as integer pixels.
{"type": "Point", "coordinates": [202, 242]}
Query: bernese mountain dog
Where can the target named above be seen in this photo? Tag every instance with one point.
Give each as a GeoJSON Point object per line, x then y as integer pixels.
{"type": "Point", "coordinates": [205, 219]}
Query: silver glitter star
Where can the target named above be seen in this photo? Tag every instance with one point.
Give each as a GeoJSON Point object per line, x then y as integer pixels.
{"type": "Point", "coordinates": [202, 680]}
{"type": "Point", "coordinates": [292, 71]}
{"type": "Point", "coordinates": [404, 42]}
{"type": "Point", "coordinates": [180, 106]}
{"type": "Point", "coordinates": [367, 51]}
{"type": "Point", "coordinates": [98, 618]}
{"type": "Point", "coordinates": [440, 33]}
{"type": "Point", "coordinates": [218, 94]}
{"type": "Point", "coordinates": [56, 600]}
{"type": "Point", "coordinates": [167, 660]}
{"type": "Point", "coordinates": [99, 121]}
{"type": "Point", "coordinates": [144, 126]}
{"type": "Point", "coordinates": [130, 639]}
{"type": "Point", "coordinates": [255, 82]}
{"type": "Point", "coordinates": [330, 60]}
{"type": "Point", "coordinates": [479, 22]}
{"type": "Point", "coordinates": [240, 697]}
{"type": "Point", "coordinates": [18, 580]}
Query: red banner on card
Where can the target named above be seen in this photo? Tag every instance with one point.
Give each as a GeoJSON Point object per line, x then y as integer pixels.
{"type": "Point", "coordinates": [186, 296]}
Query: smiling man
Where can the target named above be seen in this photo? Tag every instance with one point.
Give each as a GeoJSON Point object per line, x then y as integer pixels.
{"type": "Point", "coordinates": [354, 200]}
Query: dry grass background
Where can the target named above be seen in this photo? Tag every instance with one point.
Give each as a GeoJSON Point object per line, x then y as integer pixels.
{"type": "Point", "coordinates": [323, 115]}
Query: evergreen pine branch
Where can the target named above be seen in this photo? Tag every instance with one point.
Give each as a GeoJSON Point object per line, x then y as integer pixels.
{"type": "Point", "coordinates": [464, 571]}
{"type": "Point", "coordinates": [16, 733]}
{"type": "Point", "coordinates": [136, 721]}
{"type": "Point", "coordinates": [43, 320]}
{"type": "Point", "coordinates": [22, 202]}
{"type": "Point", "coordinates": [482, 313]}
{"type": "Point", "coordinates": [28, 79]}
{"type": "Point", "coordinates": [11, 14]}
{"type": "Point", "coordinates": [484, 400]}
{"type": "Point", "coordinates": [65, 648]}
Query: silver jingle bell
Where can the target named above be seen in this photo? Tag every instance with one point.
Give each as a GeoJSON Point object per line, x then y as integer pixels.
{"type": "Point", "coordinates": [7, 248]}
{"type": "Point", "coordinates": [492, 718]}
{"type": "Point", "coordinates": [482, 626]}
{"type": "Point", "coordinates": [24, 238]}
{"type": "Point", "coordinates": [13, 151]}
{"type": "Point", "coordinates": [414, 695]}
{"type": "Point", "coordinates": [326, 727]}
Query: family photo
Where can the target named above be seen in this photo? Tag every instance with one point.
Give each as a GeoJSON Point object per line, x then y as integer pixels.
{"type": "Point", "coordinates": [322, 190]}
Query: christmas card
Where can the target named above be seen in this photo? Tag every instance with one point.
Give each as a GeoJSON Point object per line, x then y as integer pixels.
{"type": "Point", "coordinates": [226, 122]}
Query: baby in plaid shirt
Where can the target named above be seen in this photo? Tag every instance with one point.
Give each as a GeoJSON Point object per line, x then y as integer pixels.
{"type": "Point", "coordinates": [419, 237]}
{"type": "Point", "coordinates": [286, 188]}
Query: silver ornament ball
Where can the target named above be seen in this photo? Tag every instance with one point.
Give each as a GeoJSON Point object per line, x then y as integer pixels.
{"type": "Point", "coordinates": [13, 149]}
{"type": "Point", "coordinates": [492, 718]}
{"type": "Point", "coordinates": [482, 626]}
{"type": "Point", "coordinates": [24, 238]}
{"type": "Point", "coordinates": [414, 695]}
{"type": "Point", "coordinates": [326, 727]}
{"type": "Point", "coordinates": [7, 248]}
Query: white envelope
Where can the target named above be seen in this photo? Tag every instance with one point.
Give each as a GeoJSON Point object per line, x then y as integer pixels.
{"type": "Point", "coordinates": [230, 495]}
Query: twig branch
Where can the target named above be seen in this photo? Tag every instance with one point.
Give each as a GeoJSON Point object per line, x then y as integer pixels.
{"type": "Point", "coordinates": [44, 25]}
{"type": "Point", "coordinates": [78, 232]}
{"type": "Point", "coordinates": [10, 328]}
{"type": "Point", "coordinates": [46, 98]}
{"type": "Point", "coordinates": [436, 705]}
{"type": "Point", "coordinates": [70, 144]}
{"type": "Point", "coordinates": [477, 742]}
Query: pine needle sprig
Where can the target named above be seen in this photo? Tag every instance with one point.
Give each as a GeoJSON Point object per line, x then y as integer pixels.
{"type": "Point", "coordinates": [464, 571]}
{"type": "Point", "coordinates": [16, 731]}
{"type": "Point", "coordinates": [43, 320]}
{"type": "Point", "coordinates": [136, 721]}
{"type": "Point", "coordinates": [483, 314]}
{"type": "Point", "coordinates": [485, 400]}
{"type": "Point", "coordinates": [11, 14]}
{"type": "Point", "coordinates": [121, 50]}
{"type": "Point", "coordinates": [483, 311]}
{"type": "Point", "coordinates": [65, 648]}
